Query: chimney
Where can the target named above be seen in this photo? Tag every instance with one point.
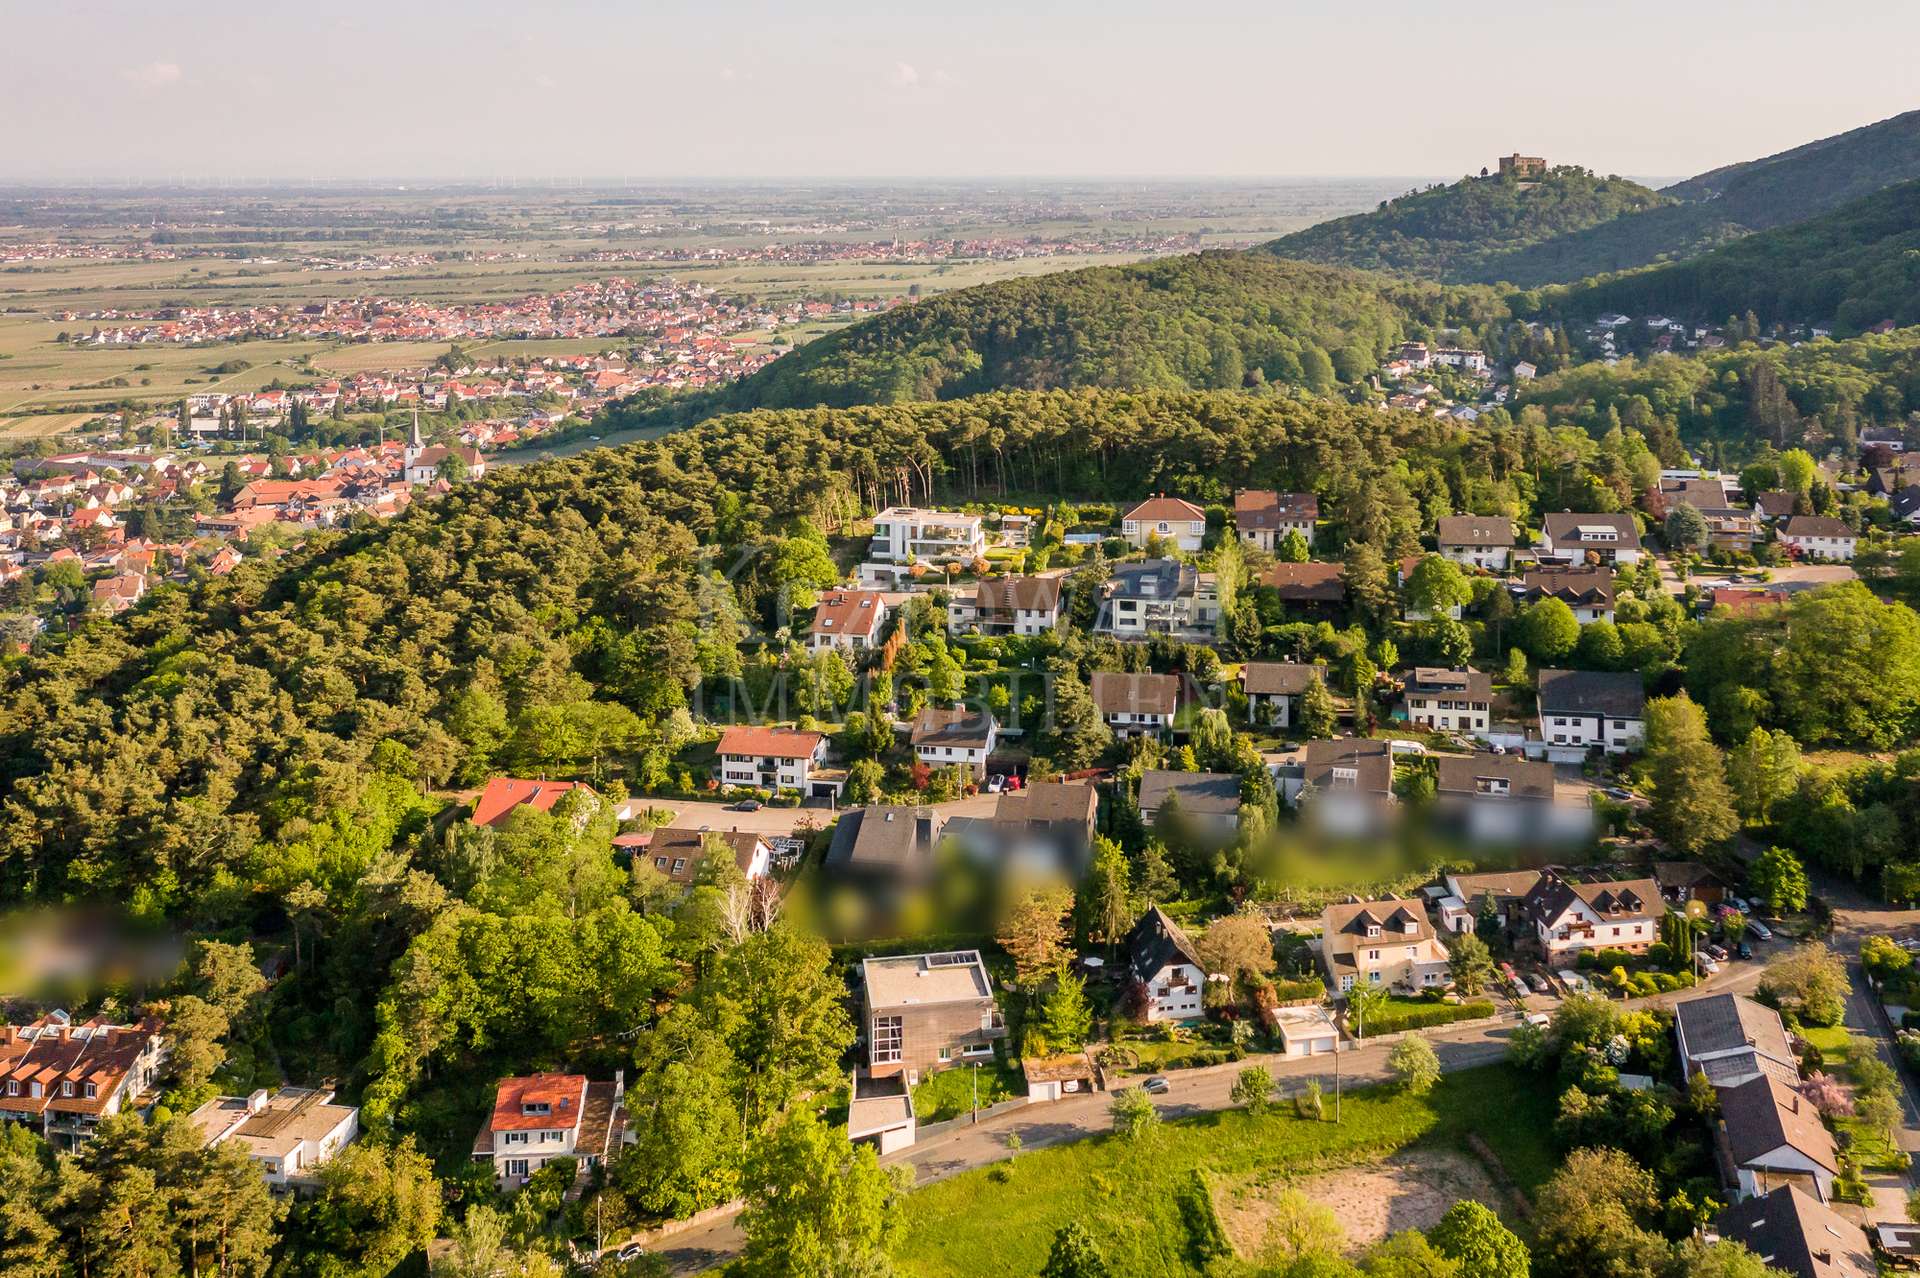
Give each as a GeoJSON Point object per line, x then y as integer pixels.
{"type": "Point", "coordinates": [619, 1083]}
{"type": "Point", "coordinates": [256, 1100]}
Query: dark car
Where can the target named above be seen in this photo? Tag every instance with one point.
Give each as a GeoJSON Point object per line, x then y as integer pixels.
{"type": "Point", "coordinates": [1719, 952]}
{"type": "Point", "coordinates": [747, 805]}
{"type": "Point", "coordinates": [1745, 951]}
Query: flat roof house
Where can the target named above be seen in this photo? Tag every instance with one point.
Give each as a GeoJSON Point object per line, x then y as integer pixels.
{"type": "Point", "coordinates": [1136, 703]}
{"type": "Point", "coordinates": [1168, 518]}
{"type": "Point", "coordinates": [1264, 518]}
{"type": "Point", "coordinates": [1583, 710]}
{"type": "Point", "coordinates": [287, 1133]}
{"type": "Point", "coordinates": [924, 1012]}
{"type": "Point", "coordinates": [907, 534]}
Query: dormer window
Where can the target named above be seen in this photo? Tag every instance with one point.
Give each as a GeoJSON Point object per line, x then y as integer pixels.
{"type": "Point", "coordinates": [1373, 929]}
{"type": "Point", "coordinates": [92, 1091]}
{"type": "Point", "coordinates": [66, 1088]}
{"type": "Point", "coordinates": [536, 1107]}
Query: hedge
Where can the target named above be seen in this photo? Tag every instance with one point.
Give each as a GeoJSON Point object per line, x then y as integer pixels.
{"type": "Point", "coordinates": [1395, 1019]}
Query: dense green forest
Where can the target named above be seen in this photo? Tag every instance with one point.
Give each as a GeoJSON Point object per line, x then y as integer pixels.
{"type": "Point", "coordinates": [1465, 232]}
{"type": "Point", "coordinates": [1215, 320]}
{"type": "Point", "coordinates": [1855, 266]}
{"type": "Point", "coordinates": [1812, 396]}
{"type": "Point", "coordinates": [1720, 206]}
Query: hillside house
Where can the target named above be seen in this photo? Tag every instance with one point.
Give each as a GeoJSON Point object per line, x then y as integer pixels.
{"type": "Point", "coordinates": [1136, 703]}
{"type": "Point", "coordinates": [1477, 541]}
{"type": "Point", "coordinates": [1168, 518]}
{"type": "Point", "coordinates": [1159, 597]}
{"type": "Point", "coordinates": [1819, 537]}
{"type": "Point", "coordinates": [849, 620]}
{"type": "Point", "coordinates": [773, 759]}
{"type": "Point", "coordinates": [1274, 689]}
{"type": "Point", "coordinates": [287, 1133]}
{"type": "Point", "coordinates": [907, 535]}
{"type": "Point", "coordinates": [1162, 960]}
{"type": "Point", "coordinates": [537, 1118]}
{"type": "Point", "coordinates": [1006, 606]}
{"type": "Point", "coordinates": [1264, 518]}
{"type": "Point", "coordinates": [1588, 591]}
{"type": "Point", "coordinates": [1450, 700]}
{"type": "Point", "coordinates": [62, 1079]}
{"type": "Point", "coordinates": [1568, 916]}
{"type": "Point", "coordinates": [1581, 710]}
{"type": "Point", "coordinates": [1578, 539]}
{"type": "Point", "coordinates": [1732, 1040]}
{"type": "Point", "coordinates": [925, 1012]}
{"type": "Point", "coordinates": [1387, 943]}
{"type": "Point", "coordinates": [962, 736]}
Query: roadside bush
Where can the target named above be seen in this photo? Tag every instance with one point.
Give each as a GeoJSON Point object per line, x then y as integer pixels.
{"type": "Point", "coordinates": [1394, 1019]}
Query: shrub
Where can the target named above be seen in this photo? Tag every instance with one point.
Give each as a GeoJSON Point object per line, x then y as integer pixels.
{"type": "Point", "coordinates": [1394, 1018]}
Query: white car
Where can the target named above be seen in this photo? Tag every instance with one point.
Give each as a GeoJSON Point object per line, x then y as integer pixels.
{"type": "Point", "coordinates": [1706, 963]}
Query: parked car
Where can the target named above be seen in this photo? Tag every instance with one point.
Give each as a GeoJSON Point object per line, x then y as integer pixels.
{"type": "Point", "coordinates": [1618, 792]}
{"type": "Point", "coordinates": [1744, 950]}
{"type": "Point", "coordinates": [1157, 1085]}
{"type": "Point", "coordinates": [1739, 903]}
{"type": "Point", "coordinates": [1718, 952]}
{"type": "Point", "coordinates": [1759, 931]}
{"type": "Point", "coordinates": [747, 805]}
{"type": "Point", "coordinates": [1541, 1019]}
{"type": "Point", "coordinates": [1539, 984]}
{"type": "Point", "coordinates": [632, 1251]}
{"type": "Point", "coordinates": [996, 783]}
{"type": "Point", "coordinates": [1706, 963]}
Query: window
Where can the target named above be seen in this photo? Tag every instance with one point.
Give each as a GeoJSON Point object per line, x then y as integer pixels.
{"type": "Point", "coordinates": [946, 1053]}
{"type": "Point", "coordinates": [13, 1087]}
{"type": "Point", "coordinates": [66, 1088]}
{"type": "Point", "coordinates": [516, 1167]}
{"type": "Point", "coordinates": [886, 1040]}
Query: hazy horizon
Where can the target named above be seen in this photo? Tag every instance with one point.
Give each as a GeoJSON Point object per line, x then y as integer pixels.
{"type": "Point", "coordinates": [673, 92]}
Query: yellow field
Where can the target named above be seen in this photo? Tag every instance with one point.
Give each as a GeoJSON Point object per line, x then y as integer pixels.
{"type": "Point", "coordinates": [42, 425]}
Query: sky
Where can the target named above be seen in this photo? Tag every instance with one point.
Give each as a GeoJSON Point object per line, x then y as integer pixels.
{"type": "Point", "coordinates": [248, 90]}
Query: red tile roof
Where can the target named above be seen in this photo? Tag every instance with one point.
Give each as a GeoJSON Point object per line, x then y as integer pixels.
{"type": "Point", "coordinates": [564, 1095]}
{"type": "Point", "coordinates": [1165, 510]}
{"type": "Point", "coordinates": [772, 743]}
{"type": "Point", "coordinates": [504, 794]}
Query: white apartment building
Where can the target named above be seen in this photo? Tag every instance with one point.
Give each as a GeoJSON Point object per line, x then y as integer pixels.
{"type": "Point", "coordinates": [1591, 709]}
{"type": "Point", "coordinates": [906, 534]}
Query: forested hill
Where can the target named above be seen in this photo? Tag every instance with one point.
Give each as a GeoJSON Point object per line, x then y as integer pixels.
{"type": "Point", "coordinates": [1214, 320]}
{"type": "Point", "coordinates": [224, 743]}
{"type": "Point", "coordinates": [1467, 231]}
{"type": "Point", "coordinates": [1727, 203]}
{"type": "Point", "coordinates": [1853, 267]}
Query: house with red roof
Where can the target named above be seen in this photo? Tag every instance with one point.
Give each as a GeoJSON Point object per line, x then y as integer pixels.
{"type": "Point", "coordinates": [850, 620]}
{"type": "Point", "coordinates": [505, 794]}
{"type": "Point", "coordinates": [64, 1078]}
{"type": "Point", "coordinates": [771, 758]}
{"type": "Point", "coordinates": [1168, 518]}
{"type": "Point", "coordinates": [537, 1118]}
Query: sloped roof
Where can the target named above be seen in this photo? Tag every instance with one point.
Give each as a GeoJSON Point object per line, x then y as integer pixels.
{"type": "Point", "coordinates": [1307, 583]}
{"type": "Point", "coordinates": [1474, 530]}
{"type": "Point", "coordinates": [1596, 692]}
{"type": "Point", "coordinates": [504, 794]}
{"type": "Point", "coordinates": [1764, 1114]}
{"type": "Point", "coordinates": [772, 743]}
{"type": "Point", "coordinates": [1279, 678]}
{"type": "Point", "coordinates": [1164, 510]}
{"type": "Point", "coordinates": [1207, 793]}
{"type": "Point", "coordinates": [1259, 508]}
{"type": "Point", "coordinates": [1157, 941]}
{"type": "Point", "coordinates": [1118, 692]}
{"type": "Point", "coordinates": [960, 727]}
{"type": "Point", "coordinates": [1790, 1229]}
{"type": "Point", "coordinates": [1729, 1022]}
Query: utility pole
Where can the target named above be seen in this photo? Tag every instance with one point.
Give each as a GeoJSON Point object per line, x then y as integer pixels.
{"type": "Point", "coordinates": [976, 1093]}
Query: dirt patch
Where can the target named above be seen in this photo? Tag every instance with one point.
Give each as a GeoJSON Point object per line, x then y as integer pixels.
{"type": "Point", "coordinates": [1410, 1190]}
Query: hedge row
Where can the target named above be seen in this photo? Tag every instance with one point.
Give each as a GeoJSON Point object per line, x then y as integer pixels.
{"type": "Point", "coordinates": [1426, 1015]}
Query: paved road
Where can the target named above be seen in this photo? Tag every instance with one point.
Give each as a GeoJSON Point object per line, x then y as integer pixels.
{"type": "Point", "coordinates": [1193, 1092]}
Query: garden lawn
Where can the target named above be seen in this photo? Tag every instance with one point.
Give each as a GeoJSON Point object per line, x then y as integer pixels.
{"type": "Point", "coordinates": [1871, 1150]}
{"type": "Point", "coordinates": [948, 1093]}
{"type": "Point", "coordinates": [1129, 1194]}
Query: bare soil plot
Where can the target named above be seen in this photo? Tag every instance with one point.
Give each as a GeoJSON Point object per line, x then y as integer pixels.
{"type": "Point", "coordinates": [1409, 1190]}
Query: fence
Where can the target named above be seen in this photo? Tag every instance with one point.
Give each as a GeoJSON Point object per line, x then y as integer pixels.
{"type": "Point", "coordinates": [926, 1131]}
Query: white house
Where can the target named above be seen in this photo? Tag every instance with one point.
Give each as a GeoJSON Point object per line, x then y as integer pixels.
{"type": "Point", "coordinates": [851, 620]}
{"type": "Point", "coordinates": [1168, 518]}
{"type": "Point", "coordinates": [1477, 541]}
{"type": "Point", "coordinates": [1264, 518]}
{"type": "Point", "coordinates": [942, 738]}
{"type": "Point", "coordinates": [287, 1133]}
{"type": "Point", "coordinates": [1165, 962]}
{"type": "Point", "coordinates": [906, 534]}
{"type": "Point", "coordinates": [1274, 689]}
{"type": "Point", "coordinates": [1159, 597]}
{"type": "Point", "coordinates": [1591, 709]}
{"type": "Point", "coordinates": [1006, 606]}
{"type": "Point", "coordinates": [1819, 537]}
{"type": "Point", "coordinates": [1575, 539]}
{"type": "Point", "coordinates": [1135, 703]}
{"type": "Point", "coordinates": [540, 1117]}
{"type": "Point", "coordinates": [1569, 916]}
{"type": "Point", "coordinates": [1450, 700]}
{"type": "Point", "coordinates": [770, 758]}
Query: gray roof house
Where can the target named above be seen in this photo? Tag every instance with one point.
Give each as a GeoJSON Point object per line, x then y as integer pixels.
{"type": "Point", "coordinates": [1733, 1040]}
